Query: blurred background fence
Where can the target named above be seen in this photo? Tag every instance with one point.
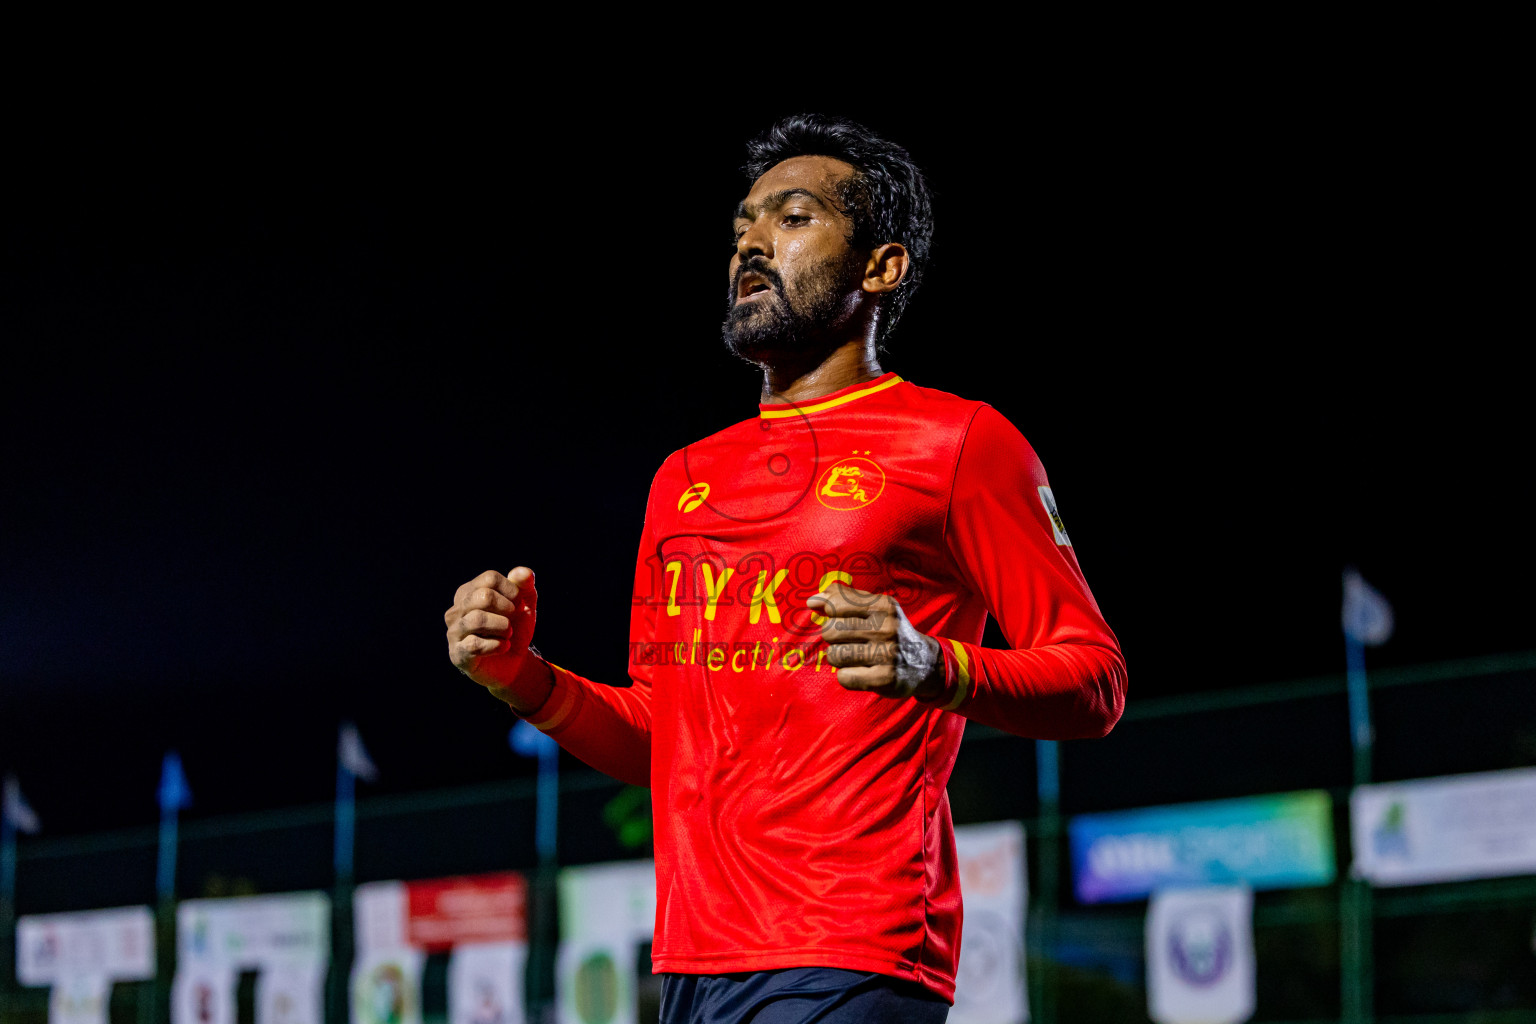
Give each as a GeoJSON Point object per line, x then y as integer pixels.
{"type": "Point", "coordinates": [1459, 952]}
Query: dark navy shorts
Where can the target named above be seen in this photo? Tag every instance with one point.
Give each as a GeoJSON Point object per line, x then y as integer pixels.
{"type": "Point", "coordinates": [798, 995]}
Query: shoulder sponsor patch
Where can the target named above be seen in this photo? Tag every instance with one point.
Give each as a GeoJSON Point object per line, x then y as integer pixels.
{"type": "Point", "coordinates": [693, 497]}
{"type": "Point", "coordinates": [1058, 528]}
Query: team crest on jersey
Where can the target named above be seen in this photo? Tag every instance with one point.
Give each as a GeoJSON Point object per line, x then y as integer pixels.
{"type": "Point", "coordinates": [1058, 528]}
{"type": "Point", "coordinates": [851, 483]}
{"type": "Point", "coordinates": [693, 497]}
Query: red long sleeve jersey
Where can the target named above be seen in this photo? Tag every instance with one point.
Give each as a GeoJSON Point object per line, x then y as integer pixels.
{"type": "Point", "coordinates": [799, 824]}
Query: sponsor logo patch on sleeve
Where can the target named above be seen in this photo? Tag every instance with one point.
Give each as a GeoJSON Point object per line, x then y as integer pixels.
{"type": "Point", "coordinates": [1058, 528]}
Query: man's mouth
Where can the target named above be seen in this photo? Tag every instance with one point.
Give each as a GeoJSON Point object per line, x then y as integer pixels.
{"type": "Point", "coordinates": [751, 285]}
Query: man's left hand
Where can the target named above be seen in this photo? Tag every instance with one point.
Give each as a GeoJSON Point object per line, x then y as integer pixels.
{"type": "Point", "coordinates": [874, 647]}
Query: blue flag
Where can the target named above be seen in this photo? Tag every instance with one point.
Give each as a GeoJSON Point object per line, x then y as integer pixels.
{"type": "Point", "coordinates": [16, 809]}
{"type": "Point", "coordinates": [175, 794]}
{"type": "Point", "coordinates": [1367, 616]}
{"type": "Point", "coordinates": [353, 755]}
{"type": "Point", "coordinates": [528, 741]}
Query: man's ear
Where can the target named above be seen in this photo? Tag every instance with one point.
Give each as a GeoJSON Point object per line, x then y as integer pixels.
{"type": "Point", "coordinates": [886, 268]}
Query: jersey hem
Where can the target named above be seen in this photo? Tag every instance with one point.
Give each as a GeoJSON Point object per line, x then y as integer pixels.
{"type": "Point", "coordinates": [811, 956]}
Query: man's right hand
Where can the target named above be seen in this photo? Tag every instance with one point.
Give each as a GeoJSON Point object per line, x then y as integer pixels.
{"type": "Point", "coordinates": [489, 629]}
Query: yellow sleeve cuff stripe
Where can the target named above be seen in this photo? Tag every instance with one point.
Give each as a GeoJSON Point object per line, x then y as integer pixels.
{"type": "Point", "coordinates": [563, 701]}
{"type": "Point", "coordinates": [963, 683]}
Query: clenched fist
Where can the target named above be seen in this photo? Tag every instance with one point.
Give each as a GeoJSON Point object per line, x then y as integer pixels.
{"type": "Point", "coordinates": [489, 629]}
{"type": "Point", "coordinates": [874, 647]}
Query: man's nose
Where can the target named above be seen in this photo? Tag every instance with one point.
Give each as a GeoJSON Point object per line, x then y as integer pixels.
{"type": "Point", "coordinates": [757, 240]}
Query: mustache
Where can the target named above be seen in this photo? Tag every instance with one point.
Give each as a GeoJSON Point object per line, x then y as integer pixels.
{"type": "Point", "coordinates": [756, 265]}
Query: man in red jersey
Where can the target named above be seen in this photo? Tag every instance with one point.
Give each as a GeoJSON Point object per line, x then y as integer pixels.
{"type": "Point", "coordinates": [810, 594]}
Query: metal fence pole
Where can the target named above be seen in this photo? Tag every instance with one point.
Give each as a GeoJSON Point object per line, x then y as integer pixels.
{"type": "Point", "coordinates": [7, 911]}
{"type": "Point", "coordinates": [343, 946]}
{"type": "Point", "coordinates": [541, 960]}
{"type": "Point", "coordinates": [1357, 979]}
{"type": "Point", "coordinates": [1043, 981]}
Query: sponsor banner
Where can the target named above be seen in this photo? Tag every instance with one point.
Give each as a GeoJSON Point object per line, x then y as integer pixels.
{"type": "Point", "coordinates": [482, 918]}
{"type": "Point", "coordinates": [378, 916]}
{"type": "Point", "coordinates": [609, 900]}
{"type": "Point", "coordinates": [441, 913]}
{"type": "Point", "coordinates": [1446, 829]}
{"type": "Point", "coordinates": [291, 994]}
{"type": "Point", "coordinates": [989, 984]}
{"type": "Point", "coordinates": [1200, 963]}
{"type": "Point", "coordinates": [595, 981]}
{"type": "Point", "coordinates": [607, 912]}
{"type": "Point", "coordinates": [203, 993]}
{"type": "Point", "coordinates": [386, 987]}
{"type": "Point", "coordinates": [485, 908]}
{"type": "Point", "coordinates": [1265, 842]}
{"type": "Point", "coordinates": [117, 944]}
{"type": "Point", "coordinates": [80, 999]}
{"type": "Point", "coordinates": [485, 983]}
{"type": "Point", "coordinates": [255, 932]}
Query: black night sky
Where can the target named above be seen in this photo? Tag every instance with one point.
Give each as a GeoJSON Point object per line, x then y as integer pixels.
{"type": "Point", "coordinates": [277, 379]}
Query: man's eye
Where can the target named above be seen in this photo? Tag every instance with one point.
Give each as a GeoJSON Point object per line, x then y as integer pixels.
{"type": "Point", "coordinates": [795, 218]}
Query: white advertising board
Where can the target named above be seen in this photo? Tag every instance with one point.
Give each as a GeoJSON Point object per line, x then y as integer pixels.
{"type": "Point", "coordinates": [1200, 960]}
{"type": "Point", "coordinates": [1446, 829]}
{"type": "Point", "coordinates": [285, 937]}
{"type": "Point", "coordinates": [386, 987]}
{"type": "Point", "coordinates": [989, 984]}
{"type": "Point", "coordinates": [117, 944]}
{"type": "Point", "coordinates": [255, 932]}
{"type": "Point", "coordinates": [379, 915]}
{"type": "Point", "coordinates": [291, 993]}
{"type": "Point", "coordinates": [485, 983]}
{"type": "Point", "coordinates": [607, 911]}
{"type": "Point", "coordinates": [203, 993]}
{"type": "Point", "coordinates": [480, 920]}
{"type": "Point", "coordinates": [80, 999]}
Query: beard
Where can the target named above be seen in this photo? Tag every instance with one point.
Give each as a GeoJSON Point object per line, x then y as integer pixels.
{"type": "Point", "coordinates": [793, 320]}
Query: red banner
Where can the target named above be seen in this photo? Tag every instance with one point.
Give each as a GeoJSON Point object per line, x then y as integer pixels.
{"type": "Point", "coordinates": [444, 912]}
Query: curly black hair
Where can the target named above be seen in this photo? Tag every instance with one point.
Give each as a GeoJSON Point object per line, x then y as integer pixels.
{"type": "Point", "coordinates": [888, 199]}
